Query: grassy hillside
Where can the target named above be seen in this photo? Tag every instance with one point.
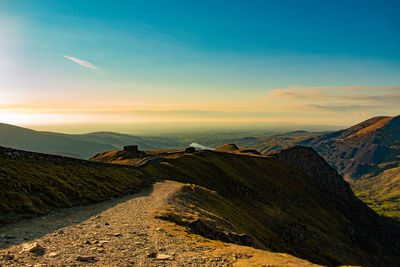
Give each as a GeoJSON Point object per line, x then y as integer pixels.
{"type": "Point", "coordinates": [381, 192]}
{"type": "Point", "coordinates": [32, 184]}
{"type": "Point", "coordinates": [267, 203]}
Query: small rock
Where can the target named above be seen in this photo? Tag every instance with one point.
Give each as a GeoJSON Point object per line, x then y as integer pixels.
{"type": "Point", "coordinates": [97, 226]}
{"type": "Point", "coordinates": [138, 243]}
{"type": "Point", "coordinates": [117, 234]}
{"type": "Point", "coordinates": [106, 223]}
{"type": "Point", "coordinates": [159, 229]}
{"type": "Point", "coordinates": [53, 254]}
{"type": "Point", "coordinates": [60, 232]}
{"type": "Point", "coordinates": [33, 248]}
{"type": "Point", "coordinates": [86, 258]}
{"type": "Point", "coordinates": [163, 257]}
{"type": "Point", "coordinates": [87, 242]}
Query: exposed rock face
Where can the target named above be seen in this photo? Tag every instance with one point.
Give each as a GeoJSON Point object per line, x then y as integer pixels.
{"type": "Point", "coordinates": [369, 231]}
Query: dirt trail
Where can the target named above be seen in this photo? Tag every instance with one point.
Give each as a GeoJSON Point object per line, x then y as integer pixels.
{"type": "Point", "coordinates": [123, 232]}
{"type": "Point", "coordinates": [120, 232]}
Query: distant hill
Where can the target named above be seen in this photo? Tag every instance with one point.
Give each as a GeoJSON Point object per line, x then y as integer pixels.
{"type": "Point", "coordinates": [276, 142]}
{"type": "Point", "coordinates": [369, 147]}
{"type": "Point", "coordinates": [76, 145]}
{"type": "Point", "coordinates": [291, 201]}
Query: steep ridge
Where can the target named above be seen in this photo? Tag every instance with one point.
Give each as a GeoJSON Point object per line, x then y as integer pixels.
{"type": "Point", "coordinates": [308, 211]}
{"type": "Point", "coordinates": [367, 155]}
{"type": "Point", "coordinates": [34, 183]}
{"type": "Point", "coordinates": [369, 227]}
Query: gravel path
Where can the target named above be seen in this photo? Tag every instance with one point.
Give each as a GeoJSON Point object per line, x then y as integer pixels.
{"type": "Point", "coordinates": [119, 232]}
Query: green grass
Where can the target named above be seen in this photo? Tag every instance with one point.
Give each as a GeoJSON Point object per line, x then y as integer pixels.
{"type": "Point", "coordinates": [29, 187]}
{"type": "Point", "coordinates": [381, 192]}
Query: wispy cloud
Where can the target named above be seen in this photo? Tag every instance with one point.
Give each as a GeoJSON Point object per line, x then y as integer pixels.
{"type": "Point", "coordinates": [82, 62]}
{"type": "Point", "coordinates": [343, 107]}
{"type": "Point", "coordinates": [300, 92]}
{"type": "Point", "coordinates": [364, 93]}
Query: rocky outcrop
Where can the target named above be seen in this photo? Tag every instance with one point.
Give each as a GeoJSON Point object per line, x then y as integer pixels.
{"type": "Point", "coordinates": [377, 235]}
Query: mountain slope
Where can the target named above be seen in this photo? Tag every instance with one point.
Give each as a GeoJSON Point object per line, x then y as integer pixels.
{"type": "Point", "coordinates": [34, 183]}
{"type": "Point", "coordinates": [275, 203]}
{"type": "Point", "coordinates": [76, 145]}
{"type": "Point", "coordinates": [59, 144]}
{"type": "Point", "coordinates": [367, 155]}
{"type": "Point", "coordinates": [366, 148]}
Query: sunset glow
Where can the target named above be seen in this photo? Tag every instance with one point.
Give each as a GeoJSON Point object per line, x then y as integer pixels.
{"type": "Point", "coordinates": [73, 63]}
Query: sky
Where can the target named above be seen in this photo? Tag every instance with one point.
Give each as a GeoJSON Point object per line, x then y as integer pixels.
{"type": "Point", "coordinates": [79, 65]}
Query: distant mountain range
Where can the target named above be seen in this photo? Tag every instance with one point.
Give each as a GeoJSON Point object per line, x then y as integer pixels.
{"type": "Point", "coordinates": [366, 154]}
{"type": "Point", "coordinates": [76, 145]}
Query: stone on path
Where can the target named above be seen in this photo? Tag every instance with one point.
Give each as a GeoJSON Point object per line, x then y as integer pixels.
{"type": "Point", "coordinates": [163, 257]}
{"type": "Point", "coordinates": [33, 248]}
{"type": "Point", "coordinates": [53, 254]}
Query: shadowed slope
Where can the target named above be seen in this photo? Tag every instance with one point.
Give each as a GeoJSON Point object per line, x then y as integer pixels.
{"type": "Point", "coordinates": [273, 205]}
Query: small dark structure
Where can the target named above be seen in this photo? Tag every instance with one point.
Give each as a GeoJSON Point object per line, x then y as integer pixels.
{"type": "Point", "coordinates": [133, 151]}
{"type": "Point", "coordinates": [190, 150]}
{"type": "Point", "coordinates": [131, 148]}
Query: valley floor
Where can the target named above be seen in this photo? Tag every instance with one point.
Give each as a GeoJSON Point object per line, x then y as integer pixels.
{"type": "Point", "coordinates": [123, 232]}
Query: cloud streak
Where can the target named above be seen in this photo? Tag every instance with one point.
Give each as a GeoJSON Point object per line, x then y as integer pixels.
{"type": "Point", "coordinates": [81, 62]}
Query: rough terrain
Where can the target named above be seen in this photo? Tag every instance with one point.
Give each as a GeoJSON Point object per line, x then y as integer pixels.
{"type": "Point", "coordinates": [122, 232]}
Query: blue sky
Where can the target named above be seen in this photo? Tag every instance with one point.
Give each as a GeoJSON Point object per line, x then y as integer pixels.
{"type": "Point", "coordinates": [208, 56]}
